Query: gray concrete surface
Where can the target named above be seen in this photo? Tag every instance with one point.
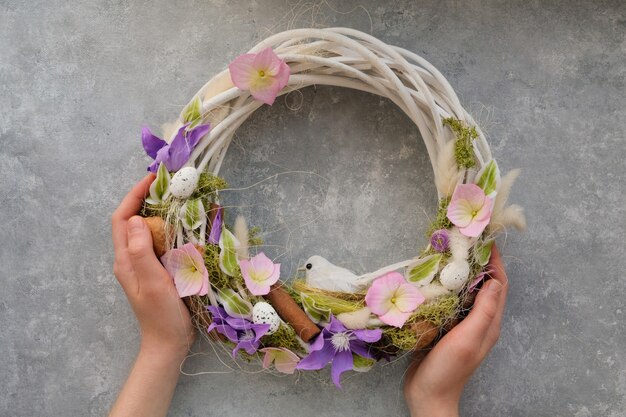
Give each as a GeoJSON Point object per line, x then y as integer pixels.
{"type": "Point", "coordinates": [546, 79]}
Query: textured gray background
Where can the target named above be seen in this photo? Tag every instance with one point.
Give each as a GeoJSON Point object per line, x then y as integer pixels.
{"type": "Point", "coordinates": [545, 79]}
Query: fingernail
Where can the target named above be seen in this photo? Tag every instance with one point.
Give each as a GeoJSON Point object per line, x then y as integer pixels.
{"type": "Point", "coordinates": [135, 223]}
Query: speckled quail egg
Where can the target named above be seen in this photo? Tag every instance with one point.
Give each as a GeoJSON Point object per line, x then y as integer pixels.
{"type": "Point", "coordinates": [264, 313]}
{"type": "Point", "coordinates": [184, 182]}
{"type": "Point", "coordinates": [454, 275]}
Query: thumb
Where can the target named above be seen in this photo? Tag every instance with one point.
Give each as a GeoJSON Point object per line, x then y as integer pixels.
{"type": "Point", "coordinates": [142, 256]}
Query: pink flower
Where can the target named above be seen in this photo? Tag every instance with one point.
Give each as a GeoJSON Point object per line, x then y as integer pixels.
{"type": "Point", "coordinates": [260, 273]}
{"type": "Point", "coordinates": [470, 209]}
{"type": "Point", "coordinates": [264, 74]}
{"type": "Point", "coordinates": [186, 266]}
{"type": "Point", "coordinates": [285, 361]}
{"type": "Point", "coordinates": [393, 299]}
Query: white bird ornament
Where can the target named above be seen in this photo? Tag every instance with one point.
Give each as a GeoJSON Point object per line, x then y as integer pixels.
{"type": "Point", "coordinates": [322, 274]}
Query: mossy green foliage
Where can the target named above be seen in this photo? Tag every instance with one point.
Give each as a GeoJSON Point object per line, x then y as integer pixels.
{"type": "Point", "coordinates": [463, 151]}
{"type": "Point", "coordinates": [209, 184]}
{"type": "Point", "coordinates": [441, 220]}
{"type": "Point", "coordinates": [159, 210]}
{"type": "Point", "coordinates": [438, 312]}
{"type": "Point", "coordinates": [404, 338]}
{"type": "Point", "coordinates": [254, 238]}
{"type": "Point", "coordinates": [284, 337]}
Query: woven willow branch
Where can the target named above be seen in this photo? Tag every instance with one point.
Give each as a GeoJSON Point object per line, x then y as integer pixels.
{"type": "Point", "coordinates": [347, 58]}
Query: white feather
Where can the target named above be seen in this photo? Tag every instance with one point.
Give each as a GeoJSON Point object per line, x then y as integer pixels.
{"type": "Point", "coordinates": [433, 291]}
{"type": "Point", "coordinates": [355, 320]}
{"type": "Point", "coordinates": [504, 190]}
{"type": "Point", "coordinates": [459, 244]}
{"type": "Point", "coordinates": [512, 215]}
{"type": "Point", "coordinates": [240, 230]}
{"type": "Point", "coordinates": [446, 172]}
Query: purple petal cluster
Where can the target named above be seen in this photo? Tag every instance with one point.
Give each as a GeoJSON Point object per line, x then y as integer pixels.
{"type": "Point", "coordinates": [175, 154]}
{"type": "Point", "coordinates": [440, 240]}
{"type": "Point", "coordinates": [335, 345]}
{"type": "Point", "coordinates": [244, 333]}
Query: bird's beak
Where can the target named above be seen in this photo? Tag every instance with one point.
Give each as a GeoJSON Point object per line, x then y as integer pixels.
{"type": "Point", "coordinates": [301, 268]}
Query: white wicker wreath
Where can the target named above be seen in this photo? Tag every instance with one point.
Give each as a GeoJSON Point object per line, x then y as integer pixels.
{"type": "Point", "coordinates": [334, 316]}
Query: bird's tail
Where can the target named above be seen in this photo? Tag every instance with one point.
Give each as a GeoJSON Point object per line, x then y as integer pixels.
{"type": "Point", "coordinates": [365, 279]}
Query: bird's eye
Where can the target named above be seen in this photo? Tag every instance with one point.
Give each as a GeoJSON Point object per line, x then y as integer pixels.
{"type": "Point", "coordinates": [309, 266]}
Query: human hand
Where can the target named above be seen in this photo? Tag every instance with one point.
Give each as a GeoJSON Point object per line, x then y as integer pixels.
{"type": "Point", "coordinates": [164, 320]}
{"type": "Point", "coordinates": [433, 387]}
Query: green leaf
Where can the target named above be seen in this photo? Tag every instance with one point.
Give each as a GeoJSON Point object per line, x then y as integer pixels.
{"type": "Point", "coordinates": [160, 187]}
{"type": "Point", "coordinates": [228, 256]}
{"type": "Point", "coordinates": [234, 304]}
{"type": "Point", "coordinates": [482, 253]}
{"type": "Point", "coordinates": [192, 214]}
{"type": "Point", "coordinates": [193, 112]}
{"type": "Point", "coordinates": [488, 177]}
{"type": "Point", "coordinates": [315, 313]}
{"type": "Point", "coordinates": [361, 364]}
{"type": "Point", "coordinates": [423, 270]}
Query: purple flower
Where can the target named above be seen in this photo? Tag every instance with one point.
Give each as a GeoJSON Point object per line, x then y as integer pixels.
{"type": "Point", "coordinates": [216, 227]}
{"type": "Point", "coordinates": [175, 154]}
{"type": "Point", "coordinates": [335, 345]}
{"type": "Point", "coordinates": [244, 333]}
{"type": "Point", "coordinates": [440, 240]}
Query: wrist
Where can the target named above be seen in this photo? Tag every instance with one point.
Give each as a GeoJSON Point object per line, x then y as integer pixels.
{"type": "Point", "coordinates": [434, 407]}
{"type": "Point", "coordinates": [163, 353]}
{"type": "Point", "coordinates": [444, 410]}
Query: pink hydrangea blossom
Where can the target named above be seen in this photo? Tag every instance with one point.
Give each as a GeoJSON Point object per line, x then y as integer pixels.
{"type": "Point", "coordinates": [393, 299]}
{"type": "Point", "coordinates": [259, 273]}
{"type": "Point", "coordinates": [263, 74]}
{"type": "Point", "coordinates": [470, 209]}
{"type": "Point", "coordinates": [186, 266]}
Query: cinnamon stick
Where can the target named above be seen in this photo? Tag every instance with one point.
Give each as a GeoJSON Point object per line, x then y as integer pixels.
{"type": "Point", "coordinates": [289, 311]}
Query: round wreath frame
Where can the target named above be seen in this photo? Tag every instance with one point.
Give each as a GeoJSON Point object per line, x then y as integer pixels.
{"type": "Point", "coordinates": [344, 57]}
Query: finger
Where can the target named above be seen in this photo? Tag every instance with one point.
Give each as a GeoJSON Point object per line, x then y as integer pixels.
{"type": "Point", "coordinates": [146, 266]}
{"type": "Point", "coordinates": [129, 206]}
{"type": "Point", "coordinates": [498, 274]}
{"type": "Point", "coordinates": [484, 313]}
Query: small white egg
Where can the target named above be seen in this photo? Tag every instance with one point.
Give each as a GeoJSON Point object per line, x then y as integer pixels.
{"type": "Point", "coordinates": [264, 313]}
{"type": "Point", "coordinates": [454, 275]}
{"type": "Point", "coordinates": [184, 182]}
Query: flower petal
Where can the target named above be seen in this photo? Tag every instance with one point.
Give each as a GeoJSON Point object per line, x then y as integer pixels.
{"type": "Point", "coordinates": [460, 213]}
{"type": "Point", "coordinates": [379, 295]}
{"type": "Point", "coordinates": [267, 61]}
{"type": "Point", "coordinates": [242, 71]}
{"type": "Point", "coordinates": [197, 133]}
{"type": "Point", "coordinates": [475, 228]}
{"type": "Point", "coordinates": [180, 150]}
{"type": "Point", "coordinates": [285, 361]}
{"type": "Point", "coordinates": [471, 193]}
{"type": "Point", "coordinates": [186, 267]}
{"type": "Point", "coordinates": [341, 363]}
{"type": "Point", "coordinates": [216, 227]}
{"type": "Point", "coordinates": [408, 297]}
{"type": "Point", "coordinates": [151, 143]}
{"type": "Point", "coordinates": [361, 349]}
{"type": "Point", "coordinates": [394, 317]}
{"type": "Point", "coordinates": [265, 91]}
{"type": "Point", "coordinates": [370, 336]}
{"type": "Point", "coordinates": [317, 359]}
{"type": "Point", "coordinates": [485, 212]}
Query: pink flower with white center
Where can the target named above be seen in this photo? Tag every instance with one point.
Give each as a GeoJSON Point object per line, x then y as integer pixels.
{"type": "Point", "coordinates": [260, 273]}
{"type": "Point", "coordinates": [393, 299]}
{"type": "Point", "coordinates": [264, 74]}
{"type": "Point", "coordinates": [470, 209]}
{"type": "Point", "coordinates": [186, 266]}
